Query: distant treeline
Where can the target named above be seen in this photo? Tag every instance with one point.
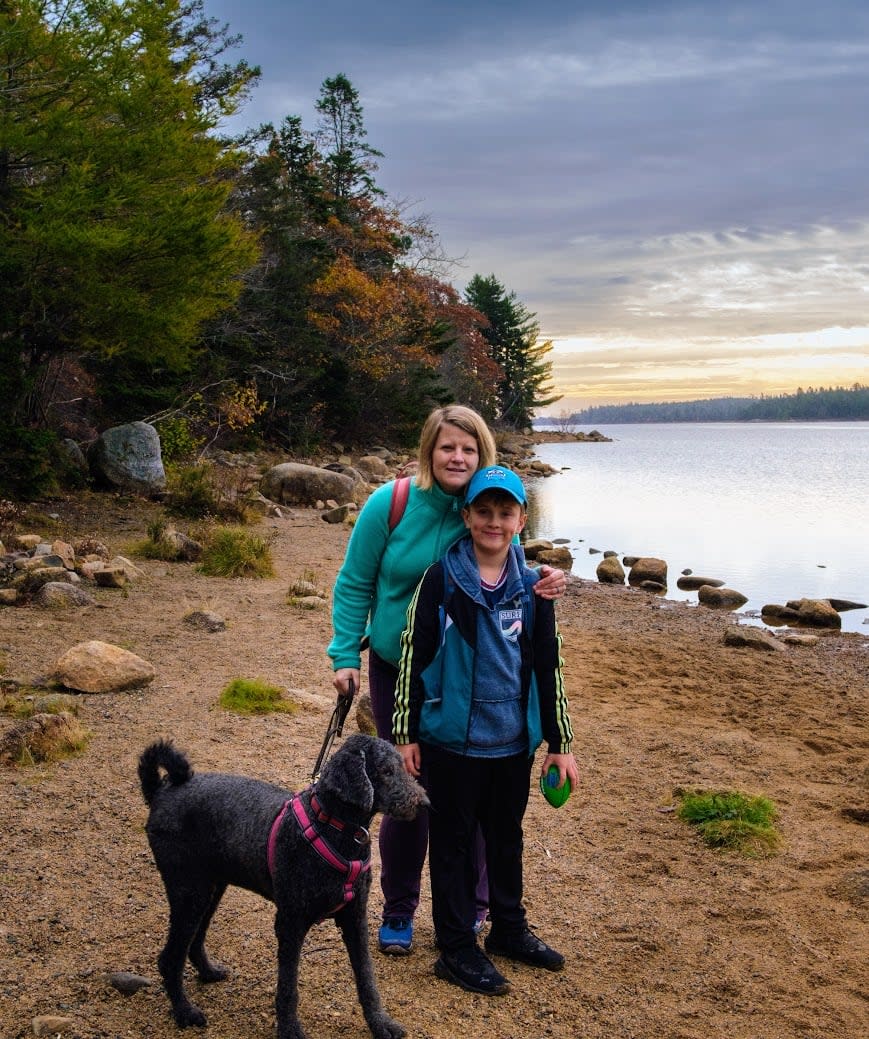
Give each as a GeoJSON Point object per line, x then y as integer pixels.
{"type": "Point", "coordinates": [812, 405]}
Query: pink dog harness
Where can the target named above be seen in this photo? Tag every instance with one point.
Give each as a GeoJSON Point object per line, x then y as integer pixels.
{"type": "Point", "coordinates": [351, 868]}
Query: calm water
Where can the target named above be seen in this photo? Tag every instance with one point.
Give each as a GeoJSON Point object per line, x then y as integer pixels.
{"type": "Point", "coordinates": [776, 511]}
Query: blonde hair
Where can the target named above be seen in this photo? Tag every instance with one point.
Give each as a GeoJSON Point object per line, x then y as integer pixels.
{"type": "Point", "coordinates": [465, 419]}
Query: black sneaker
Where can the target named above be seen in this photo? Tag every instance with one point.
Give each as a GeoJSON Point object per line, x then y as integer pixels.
{"type": "Point", "coordinates": [526, 948]}
{"type": "Point", "coordinates": [471, 970]}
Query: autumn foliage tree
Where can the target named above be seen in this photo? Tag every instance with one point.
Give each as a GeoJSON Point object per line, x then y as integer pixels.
{"type": "Point", "coordinates": [345, 329]}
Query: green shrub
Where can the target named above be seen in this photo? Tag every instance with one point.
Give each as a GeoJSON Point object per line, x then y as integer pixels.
{"type": "Point", "coordinates": [253, 696]}
{"type": "Point", "coordinates": [204, 491]}
{"type": "Point", "coordinates": [191, 492]}
{"type": "Point", "coordinates": [234, 552]}
{"type": "Point", "coordinates": [178, 442]}
{"type": "Point", "coordinates": [730, 819]}
{"type": "Point", "coordinates": [29, 457]}
{"type": "Point", "coordinates": [156, 546]}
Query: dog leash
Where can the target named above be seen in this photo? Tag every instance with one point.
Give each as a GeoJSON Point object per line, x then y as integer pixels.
{"type": "Point", "coordinates": [336, 727]}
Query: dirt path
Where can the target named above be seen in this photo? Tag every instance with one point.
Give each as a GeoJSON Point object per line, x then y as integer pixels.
{"type": "Point", "coordinates": [664, 939]}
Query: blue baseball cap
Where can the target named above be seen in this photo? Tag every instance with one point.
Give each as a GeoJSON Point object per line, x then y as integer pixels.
{"type": "Point", "coordinates": [495, 478]}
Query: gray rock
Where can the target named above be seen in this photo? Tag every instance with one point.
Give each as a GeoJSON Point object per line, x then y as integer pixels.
{"type": "Point", "coordinates": [293, 483]}
{"type": "Point", "coordinates": [205, 620]}
{"type": "Point", "coordinates": [59, 595]}
{"type": "Point", "coordinates": [128, 983]}
{"type": "Point", "coordinates": [339, 514]}
{"type": "Point", "coordinates": [128, 457]}
{"type": "Point", "coordinates": [751, 638]}
{"type": "Point", "coordinates": [843, 605]}
{"type": "Point", "coordinates": [691, 582]}
{"type": "Point", "coordinates": [781, 614]}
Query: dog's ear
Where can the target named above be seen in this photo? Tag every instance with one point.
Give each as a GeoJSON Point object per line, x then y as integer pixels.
{"type": "Point", "coordinates": [346, 777]}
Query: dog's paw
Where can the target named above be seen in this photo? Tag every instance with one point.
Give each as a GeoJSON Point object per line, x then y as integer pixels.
{"type": "Point", "coordinates": [190, 1016]}
{"type": "Point", "coordinates": [384, 1027]}
{"type": "Point", "coordinates": [212, 972]}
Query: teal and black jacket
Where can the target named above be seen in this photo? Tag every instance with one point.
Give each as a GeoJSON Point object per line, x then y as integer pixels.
{"type": "Point", "coordinates": [481, 676]}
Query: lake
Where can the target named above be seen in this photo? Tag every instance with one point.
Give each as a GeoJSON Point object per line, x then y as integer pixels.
{"type": "Point", "coordinates": [777, 511]}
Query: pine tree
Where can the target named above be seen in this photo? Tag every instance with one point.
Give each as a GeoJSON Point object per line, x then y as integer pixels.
{"type": "Point", "coordinates": [114, 243]}
{"type": "Point", "coordinates": [512, 332]}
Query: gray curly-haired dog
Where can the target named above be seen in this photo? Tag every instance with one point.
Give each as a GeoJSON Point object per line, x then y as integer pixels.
{"type": "Point", "coordinates": [309, 853]}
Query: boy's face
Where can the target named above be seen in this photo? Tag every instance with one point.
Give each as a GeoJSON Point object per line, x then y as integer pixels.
{"type": "Point", "coordinates": [494, 519]}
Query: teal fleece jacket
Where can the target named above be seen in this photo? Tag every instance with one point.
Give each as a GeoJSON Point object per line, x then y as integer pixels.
{"type": "Point", "coordinates": [380, 571]}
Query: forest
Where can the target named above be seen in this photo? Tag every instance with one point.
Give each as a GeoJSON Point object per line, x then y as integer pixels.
{"type": "Point", "coordinates": [234, 291]}
{"type": "Point", "coordinates": [840, 404]}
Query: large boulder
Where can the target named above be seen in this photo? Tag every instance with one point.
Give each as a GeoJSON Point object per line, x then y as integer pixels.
{"type": "Point", "coordinates": [292, 483]}
{"type": "Point", "coordinates": [99, 667]}
{"type": "Point", "coordinates": [647, 568]}
{"type": "Point", "coordinates": [721, 598]}
{"type": "Point", "coordinates": [817, 613]}
{"type": "Point", "coordinates": [610, 571]}
{"type": "Point", "coordinates": [128, 458]}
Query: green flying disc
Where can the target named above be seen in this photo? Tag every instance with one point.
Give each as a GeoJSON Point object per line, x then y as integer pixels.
{"type": "Point", "coordinates": [556, 795]}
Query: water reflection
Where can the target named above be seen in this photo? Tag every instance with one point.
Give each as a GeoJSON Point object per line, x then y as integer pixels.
{"type": "Point", "coordinates": [777, 512]}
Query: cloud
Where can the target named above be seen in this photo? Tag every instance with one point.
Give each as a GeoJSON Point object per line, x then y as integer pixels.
{"type": "Point", "coordinates": [668, 171]}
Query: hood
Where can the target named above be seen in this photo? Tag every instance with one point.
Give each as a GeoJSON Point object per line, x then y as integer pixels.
{"type": "Point", "coordinates": [461, 565]}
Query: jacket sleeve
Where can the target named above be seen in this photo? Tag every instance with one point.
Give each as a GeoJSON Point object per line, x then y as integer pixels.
{"type": "Point", "coordinates": [419, 644]}
{"type": "Point", "coordinates": [357, 579]}
{"type": "Point", "coordinates": [548, 669]}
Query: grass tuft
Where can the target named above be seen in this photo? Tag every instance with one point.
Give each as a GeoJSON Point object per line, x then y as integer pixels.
{"type": "Point", "coordinates": [730, 819]}
{"type": "Point", "coordinates": [43, 738]}
{"type": "Point", "coordinates": [234, 552]}
{"type": "Point", "coordinates": [253, 696]}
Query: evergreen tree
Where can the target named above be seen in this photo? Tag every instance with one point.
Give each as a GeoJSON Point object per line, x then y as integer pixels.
{"type": "Point", "coordinates": [114, 243]}
{"type": "Point", "coordinates": [512, 333]}
{"type": "Point", "coordinates": [349, 161]}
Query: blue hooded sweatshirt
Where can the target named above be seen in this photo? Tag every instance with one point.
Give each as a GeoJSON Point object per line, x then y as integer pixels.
{"type": "Point", "coordinates": [472, 671]}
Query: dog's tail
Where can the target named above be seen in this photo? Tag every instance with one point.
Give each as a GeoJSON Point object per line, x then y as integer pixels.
{"type": "Point", "coordinates": [162, 755]}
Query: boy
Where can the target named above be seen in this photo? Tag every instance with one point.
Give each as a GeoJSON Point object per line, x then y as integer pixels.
{"type": "Point", "coordinates": [479, 686]}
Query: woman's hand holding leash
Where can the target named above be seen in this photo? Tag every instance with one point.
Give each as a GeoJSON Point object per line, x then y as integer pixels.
{"type": "Point", "coordinates": [346, 680]}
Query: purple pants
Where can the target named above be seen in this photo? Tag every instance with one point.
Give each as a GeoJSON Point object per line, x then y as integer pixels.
{"type": "Point", "coordinates": [403, 843]}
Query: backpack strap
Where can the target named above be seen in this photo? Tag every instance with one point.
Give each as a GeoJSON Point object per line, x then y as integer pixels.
{"type": "Point", "coordinates": [398, 502]}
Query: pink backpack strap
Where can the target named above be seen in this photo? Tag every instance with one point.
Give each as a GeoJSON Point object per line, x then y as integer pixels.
{"type": "Point", "coordinates": [398, 502]}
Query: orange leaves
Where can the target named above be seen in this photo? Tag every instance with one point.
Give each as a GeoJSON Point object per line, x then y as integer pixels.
{"type": "Point", "coordinates": [371, 319]}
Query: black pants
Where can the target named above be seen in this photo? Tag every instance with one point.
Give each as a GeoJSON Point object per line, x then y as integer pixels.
{"type": "Point", "coordinates": [464, 793]}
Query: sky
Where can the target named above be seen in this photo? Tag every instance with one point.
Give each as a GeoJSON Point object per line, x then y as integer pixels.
{"type": "Point", "coordinates": [678, 190]}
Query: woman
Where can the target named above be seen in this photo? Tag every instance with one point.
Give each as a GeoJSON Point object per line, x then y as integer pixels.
{"type": "Point", "coordinates": [376, 582]}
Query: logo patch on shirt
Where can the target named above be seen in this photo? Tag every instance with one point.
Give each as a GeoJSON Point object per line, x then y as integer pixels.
{"type": "Point", "coordinates": [511, 624]}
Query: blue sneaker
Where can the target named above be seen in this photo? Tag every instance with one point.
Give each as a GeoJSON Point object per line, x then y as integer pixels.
{"type": "Point", "coordinates": [395, 936]}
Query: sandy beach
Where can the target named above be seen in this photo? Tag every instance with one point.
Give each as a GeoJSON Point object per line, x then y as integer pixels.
{"type": "Point", "coordinates": [664, 938]}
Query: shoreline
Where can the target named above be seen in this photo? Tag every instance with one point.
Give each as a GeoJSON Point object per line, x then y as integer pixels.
{"type": "Point", "coordinates": [651, 922]}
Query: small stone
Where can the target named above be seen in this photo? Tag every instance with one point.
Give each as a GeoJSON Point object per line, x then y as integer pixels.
{"type": "Point", "coordinates": [51, 1024]}
{"type": "Point", "coordinates": [751, 638]}
{"type": "Point", "coordinates": [128, 983]}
